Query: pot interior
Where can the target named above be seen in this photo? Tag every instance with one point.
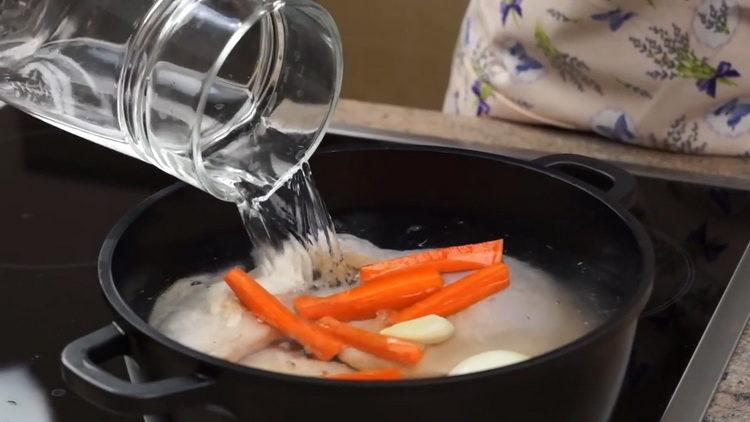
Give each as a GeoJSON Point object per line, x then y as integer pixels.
{"type": "Point", "coordinates": [405, 198]}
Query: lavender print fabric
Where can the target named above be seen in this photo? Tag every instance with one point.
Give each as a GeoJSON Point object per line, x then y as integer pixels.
{"type": "Point", "coordinates": [666, 74]}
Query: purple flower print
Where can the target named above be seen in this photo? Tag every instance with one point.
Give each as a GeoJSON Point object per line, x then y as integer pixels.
{"type": "Point", "coordinates": [722, 72]}
{"type": "Point", "coordinates": [508, 7]}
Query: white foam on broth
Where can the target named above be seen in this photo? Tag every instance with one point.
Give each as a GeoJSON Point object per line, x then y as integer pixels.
{"type": "Point", "coordinates": [534, 315]}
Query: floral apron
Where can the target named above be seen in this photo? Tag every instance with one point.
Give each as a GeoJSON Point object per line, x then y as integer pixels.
{"type": "Point", "coordinates": [667, 74]}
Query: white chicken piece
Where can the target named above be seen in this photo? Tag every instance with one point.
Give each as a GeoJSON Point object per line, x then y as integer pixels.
{"type": "Point", "coordinates": [360, 252]}
{"type": "Point", "coordinates": [203, 313]}
{"type": "Point", "coordinates": [532, 316]}
{"type": "Point", "coordinates": [291, 362]}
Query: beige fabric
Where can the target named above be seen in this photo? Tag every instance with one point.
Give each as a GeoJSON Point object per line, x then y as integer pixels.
{"type": "Point", "coordinates": [664, 74]}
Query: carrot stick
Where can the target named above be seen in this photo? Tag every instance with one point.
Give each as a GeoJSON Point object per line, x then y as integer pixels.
{"type": "Point", "coordinates": [459, 295]}
{"type": "Point", "coordinates": [389, 348]}
{"type": "Point", "coordinates": [392, 291]}
{"type": "Point", "coordinates": [266, 307]}
{"type": "Point", "coordinates": [445, 260]}
{"type": "Point", "coordinates": [371, 375]}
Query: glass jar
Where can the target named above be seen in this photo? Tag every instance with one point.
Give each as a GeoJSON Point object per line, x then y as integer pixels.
{"type": "Point", "coordinates": [231, 96]}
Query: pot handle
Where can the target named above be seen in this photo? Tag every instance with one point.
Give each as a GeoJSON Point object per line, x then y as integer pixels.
{"type": "Point", "coordinates": [614, 183]}
{"type": "Point", "coordinates": [82, 373]}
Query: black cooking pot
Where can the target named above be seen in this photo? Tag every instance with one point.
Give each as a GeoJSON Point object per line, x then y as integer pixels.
{"type": "Point", "coordinates": [563, 214]}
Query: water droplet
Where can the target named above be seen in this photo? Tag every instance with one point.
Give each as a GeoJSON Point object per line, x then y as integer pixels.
{"type": "Point", "coordinates": [12, 402]}
{"type": "Point", "coordinates": [196, 283]}
{"type": "Point", "coordinates": [219, 106]}
{"type": "Point", "coordinates": [413, 229]}
{"type": "Point", "coordinates": [58, 392]}
{"type": "Point", "coordinates": [579, 263]}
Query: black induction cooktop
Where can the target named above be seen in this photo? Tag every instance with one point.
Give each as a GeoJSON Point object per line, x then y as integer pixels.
{"type": "Point", "coordinates": [61, 195]}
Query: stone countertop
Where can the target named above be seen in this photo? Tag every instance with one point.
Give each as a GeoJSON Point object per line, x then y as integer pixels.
{"type": "Point", "coordinates": [526, 141]}
{"type": "Point", "coordinates": [731, 401]}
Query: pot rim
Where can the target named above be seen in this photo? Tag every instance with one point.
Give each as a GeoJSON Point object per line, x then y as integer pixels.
{"type": "Point", "coordinates": [629, 311]}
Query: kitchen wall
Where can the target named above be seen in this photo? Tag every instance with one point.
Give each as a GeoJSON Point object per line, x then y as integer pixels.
{"type": "Point", "coordinates": [397, 51]}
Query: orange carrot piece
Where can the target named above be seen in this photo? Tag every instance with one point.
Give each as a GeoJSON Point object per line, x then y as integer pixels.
{"type": "Point", "coordinates": [371, 375]}
{"type": "Point", "coordinates": [389, 348]}
{"type": "Point", "coordinates": [445, 260]}
{"type": "Point", "coordinates": [266, 307]}
{"type": "Point", "coordinates": [390, 292]}
{"type": "Point", "coordinates": [459, 295]}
